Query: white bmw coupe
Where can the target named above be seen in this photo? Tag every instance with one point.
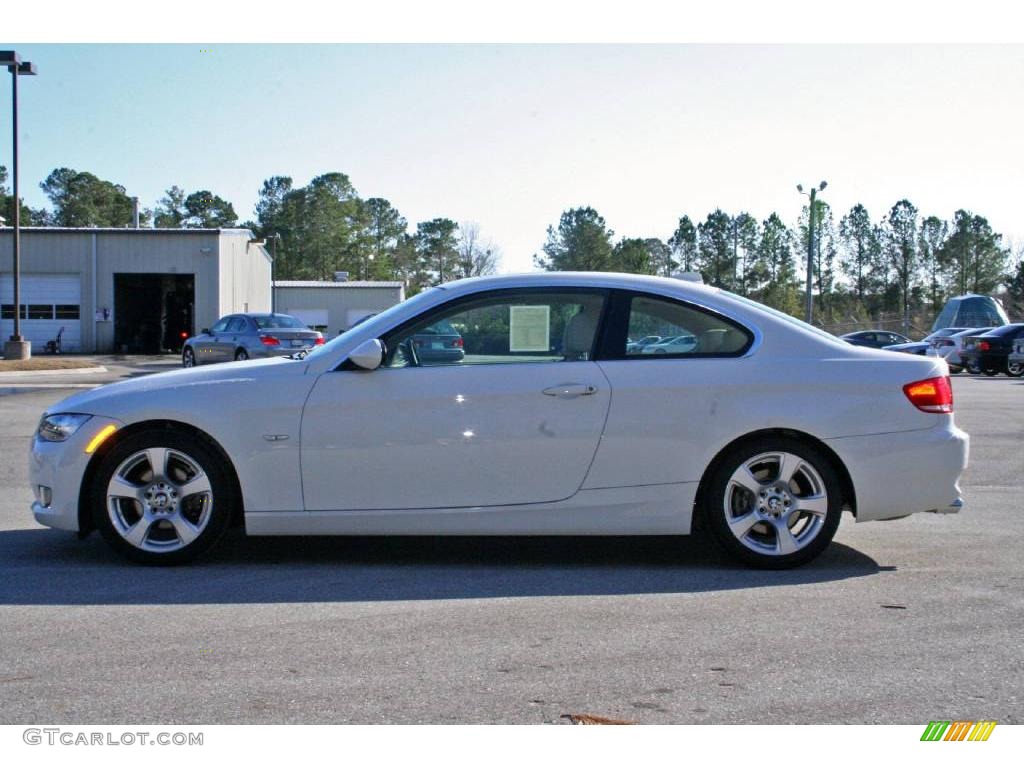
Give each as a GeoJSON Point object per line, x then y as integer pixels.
{"type": "Point", "coordinates": [764, 431]}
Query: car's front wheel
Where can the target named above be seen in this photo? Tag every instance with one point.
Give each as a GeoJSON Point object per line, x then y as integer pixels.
{"type": "Point", "coordinates": [162, 498]}
{"type": "Point", "coordinates": [773, 502]}
{"type": "Point", "coordinates": [188, 358]}
{"type": "Point", "coordinates": [1015, 369]}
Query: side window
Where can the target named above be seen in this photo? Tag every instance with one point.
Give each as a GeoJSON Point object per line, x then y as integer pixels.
{"type": "Point", "coordinates": [663, 327]}
{"type": "Point", "coordinates": [220, 325]}
{"type": "Point", "coordinates": [510, 327]}
{"type": "Point", "coordinates": [237, 325]}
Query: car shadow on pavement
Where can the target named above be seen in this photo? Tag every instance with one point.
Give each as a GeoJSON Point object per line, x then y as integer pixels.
{"type": "Point", "coordinates": [42, 567]}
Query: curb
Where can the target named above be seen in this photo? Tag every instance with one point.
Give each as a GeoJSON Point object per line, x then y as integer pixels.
{"type": "Point", "coordinates": [53, 372]}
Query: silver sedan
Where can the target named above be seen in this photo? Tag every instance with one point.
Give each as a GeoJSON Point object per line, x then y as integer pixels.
{"type": "Point", "coordinates": [245, 336]}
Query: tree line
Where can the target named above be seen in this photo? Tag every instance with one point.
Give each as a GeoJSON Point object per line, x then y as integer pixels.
{"type": "Point", "coordinates": [901, 264]}
{"type": "Point", "coordinates": [313, 231]}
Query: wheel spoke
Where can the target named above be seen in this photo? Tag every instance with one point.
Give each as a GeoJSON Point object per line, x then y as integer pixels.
{"type": "Point", "coordinates": [815, 505]}
{"type": "Point", "coordinates": [788, 466]}
{"type": "Point", "coordinates": [198, 484]}
{"type": "Point", "coordinates": [740, 526]}
{"type": "Point", "coordinates": [745, 479]}
{"type": "Point", "coordinates": [785, 541]}
{"type": "Point", "coordinates": [136, 535]}
{"type": "Point", "coordinates": [121, 488]}
{"type": "Point", "coordinates": [157, 458]}
{"type": "Point", "coordinates": [187, 532]}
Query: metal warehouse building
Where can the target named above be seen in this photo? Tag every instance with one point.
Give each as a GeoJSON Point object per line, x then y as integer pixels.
{"type": "Point", "coordinates": [130, 290]}
{"type": "Point", "coordinates": [333, 307]}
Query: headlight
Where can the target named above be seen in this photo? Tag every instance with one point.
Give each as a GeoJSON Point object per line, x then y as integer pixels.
{"type": "Point", "coordinates": [58, 427]}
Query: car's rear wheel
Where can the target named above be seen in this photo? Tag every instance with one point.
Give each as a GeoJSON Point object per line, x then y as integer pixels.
{"type": "Point", "coordinates": [773, 502]}
{"type": "Point", "coordinates": [188, 358]}
{"type": "Point", "coordinates": [1015, 369]}
{"type": "Point", "coordinates": [241, 354]}
{"type": "Point", "coordinates": [990, 371]}
{"type": "Point", "coordinates": [973, 368]}
{"type": "Point", "coordinates": [162, 498]}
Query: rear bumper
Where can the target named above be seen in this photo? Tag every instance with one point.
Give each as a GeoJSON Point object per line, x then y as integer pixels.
{"type": "Point", "coordinates": [985, 360]}
{"type": "Point", "coordinates": [902, 473]}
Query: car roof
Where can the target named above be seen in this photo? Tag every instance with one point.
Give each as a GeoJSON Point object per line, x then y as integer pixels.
{"type": "Point", "coordinates": [621, 280]}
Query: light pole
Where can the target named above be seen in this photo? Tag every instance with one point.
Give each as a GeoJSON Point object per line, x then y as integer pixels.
{"type": "Point", "coordinates": [16, 348]}
{"type": "Point", "coordinates": [809, 312]}
{"type": "Point", "coordinates": [274, 238]}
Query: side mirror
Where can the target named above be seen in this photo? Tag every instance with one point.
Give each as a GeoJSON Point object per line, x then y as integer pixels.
{"type": "Point", "coordinates": [205, 331]}
{"type": "Point", "coordinates": [368, 355]}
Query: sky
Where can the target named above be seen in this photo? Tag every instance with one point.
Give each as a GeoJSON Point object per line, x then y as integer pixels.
{"type": "Point", "coordinates": [511, 136]}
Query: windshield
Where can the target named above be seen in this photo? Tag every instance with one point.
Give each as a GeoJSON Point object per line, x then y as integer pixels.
{"type": "Point", "coordinates": [278, 321]}
{"type": "Point", "coordinates": [422, 298]}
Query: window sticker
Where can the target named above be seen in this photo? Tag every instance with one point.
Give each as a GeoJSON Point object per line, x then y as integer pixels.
{"type": "Point", "coordinates": [529, 328]}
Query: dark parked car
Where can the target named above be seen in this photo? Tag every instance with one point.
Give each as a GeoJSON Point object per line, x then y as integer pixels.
{"type": "Point", "coordinates": [921, 347]}
{"type": "Point", "coordinates": [240, 337]}
{"type": "Point", "coordinates": [876, 339]}
{"type": "Point", "coordinates": [439, 343]}
{"type": "Point", "coordinates": [989, 352]}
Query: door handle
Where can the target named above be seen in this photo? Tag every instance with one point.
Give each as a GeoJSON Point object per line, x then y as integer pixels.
{"type": "Point", "coordinates": [570, 390]}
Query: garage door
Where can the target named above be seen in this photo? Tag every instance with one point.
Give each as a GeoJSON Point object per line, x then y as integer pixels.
{"type": "Point", "coordinates": [48, 303]}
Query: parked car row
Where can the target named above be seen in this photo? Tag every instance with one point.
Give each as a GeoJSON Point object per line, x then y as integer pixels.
{"type": "Point", "coordinates": [977, 350]}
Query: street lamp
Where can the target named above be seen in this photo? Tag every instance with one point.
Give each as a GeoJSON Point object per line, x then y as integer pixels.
{"type": "Point", "coordinates": [809, 312]}
{"type": "Point", "coordinates": [16, 348]}
{"type": "Point", "coordinates": [275, 238]}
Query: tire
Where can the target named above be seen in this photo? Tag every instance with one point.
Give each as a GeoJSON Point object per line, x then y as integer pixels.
{"type": "Point", "coordinates": [188, 358]}
{"type": "Point", "coordinates": [241, 354]}
{"type": "Point", "coordinates": [176, 526]}
{"type": "Point", "coordinates": [990, 372]}
{"type": "Point", "coordinates": [747, 507]}
{"type": "Point", "coordinates": [1015, 369]}
{"type": "Point", "coordinates": [973, 368]}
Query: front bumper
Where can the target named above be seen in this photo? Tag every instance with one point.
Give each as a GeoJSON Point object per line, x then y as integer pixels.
{"type": "Point", "coordinates": [61, 467]}
{"type": "Point", "coordinates": [902, 473]}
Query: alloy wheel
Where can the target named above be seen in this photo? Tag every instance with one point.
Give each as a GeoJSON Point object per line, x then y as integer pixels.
{"type": "Point", "coordinates": [159, 500]}
{"type": "Point", "coordinates": [776, 503]}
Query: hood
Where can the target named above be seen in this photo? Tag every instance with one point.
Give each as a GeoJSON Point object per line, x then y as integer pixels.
{"type": "Point", "coordinates": [102, 400]}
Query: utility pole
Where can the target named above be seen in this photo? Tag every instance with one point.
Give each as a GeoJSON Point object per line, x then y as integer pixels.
{"type": "Point", "coordinates": [811, 215]}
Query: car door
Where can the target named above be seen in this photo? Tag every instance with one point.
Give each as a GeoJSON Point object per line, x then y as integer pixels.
{"type": "Point", "coordinates": [668, 409]}
{"type": "Point", "coordinates": [206, 348]}
{"type": "Point", "coordinates": [515, 419]}
{"type": "Point", "coordinates": [227, 340]}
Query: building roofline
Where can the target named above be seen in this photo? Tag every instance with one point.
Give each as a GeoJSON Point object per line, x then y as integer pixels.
{"type": "Point", "coordinates": [129, 230]}
{"type": "Point", "coordinates": [341, 284]}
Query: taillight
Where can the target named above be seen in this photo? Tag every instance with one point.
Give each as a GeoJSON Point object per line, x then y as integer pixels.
{"type": "Point", "coordinates": [183, 334]}
{"type": "Point", "coordinates": [931, 395]}
{"type": "Point", "coordinates": [270, 341]}
{"type": "Point", "coordinates": [319, 341]}
{"type": "Point", "coordinates": [984, 346]}
{"type": "Point", "coordinates": [457, 343]}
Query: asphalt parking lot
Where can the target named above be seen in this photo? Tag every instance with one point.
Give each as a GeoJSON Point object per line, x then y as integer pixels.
{"type": "Point", "coordinates": [898, 622]}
